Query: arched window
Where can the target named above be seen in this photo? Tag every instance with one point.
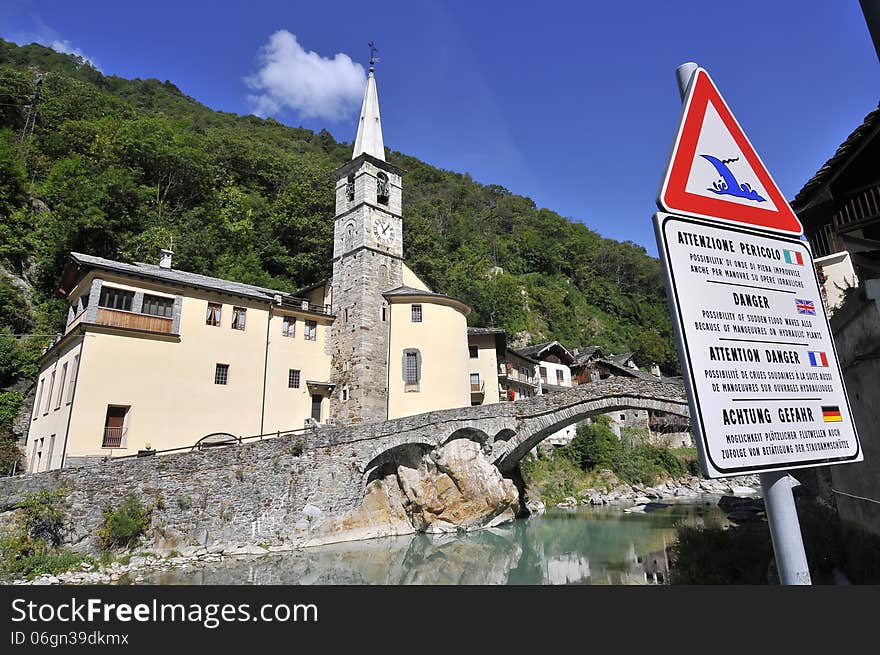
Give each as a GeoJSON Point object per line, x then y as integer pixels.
{"type": "Point", "coordinates": [349, 188]}
{"type": "Point", "coordinates": [382, 188]}
{"type": "Point", "coordinates": [349, 236]}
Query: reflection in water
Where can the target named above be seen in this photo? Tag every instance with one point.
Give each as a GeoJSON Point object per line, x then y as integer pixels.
{"type": "Point", "coordinates": [585, 546]}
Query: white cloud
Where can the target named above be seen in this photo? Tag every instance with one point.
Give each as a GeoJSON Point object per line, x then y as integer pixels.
{"type": "Point", "coordinates": [314, 86]}
{"type": "Point", "coordinates": [65, 47]}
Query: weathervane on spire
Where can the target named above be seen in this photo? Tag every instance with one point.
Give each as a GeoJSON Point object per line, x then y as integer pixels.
{"type": "Point", "coordinates": [373, 57]}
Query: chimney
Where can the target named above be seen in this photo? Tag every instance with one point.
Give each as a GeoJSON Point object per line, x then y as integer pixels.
{"type": "Point", "coordinates": [165, 258]}
{"type": "Point", "coordinates": [655, 370]}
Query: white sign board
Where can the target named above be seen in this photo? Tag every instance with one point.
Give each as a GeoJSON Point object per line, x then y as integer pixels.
{"type": "Point", "coordinates": [765, 387]}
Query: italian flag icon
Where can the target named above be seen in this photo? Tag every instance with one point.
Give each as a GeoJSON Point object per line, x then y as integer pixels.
{"type": "Point", "coordinates": [793, 257]}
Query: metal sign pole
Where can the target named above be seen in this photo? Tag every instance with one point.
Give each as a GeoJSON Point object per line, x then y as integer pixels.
{"type": "Point", "coordinates": [785, 529]}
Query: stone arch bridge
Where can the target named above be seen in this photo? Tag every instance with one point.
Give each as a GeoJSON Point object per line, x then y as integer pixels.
{"type": "Point", "coordinates": [508, 430]}
{"type": "Point", "coordinates": [336, 483]}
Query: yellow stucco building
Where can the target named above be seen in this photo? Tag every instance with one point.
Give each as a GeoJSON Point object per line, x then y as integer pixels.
{"type": "Point", "coordinates": [153, 358]}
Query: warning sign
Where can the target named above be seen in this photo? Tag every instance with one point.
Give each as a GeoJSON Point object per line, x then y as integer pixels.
{"type": "Point", "coordinates": [764, 384]}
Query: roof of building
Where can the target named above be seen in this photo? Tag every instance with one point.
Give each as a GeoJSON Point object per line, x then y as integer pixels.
{"type": "Point", "coordinates": [519, 353]}
{"type": "Point", "coordinates": [175, 276]}
{"type": "Point", "coordinates": [850, 146]}
{"type": "Point", "coordinates": [620, 360]}
{"type": "Point", "coordinates": [586, 354]}
{"type": "Point", "coordinates": [475, 331]}
{"type": "Point", "coordinates": [538, 351]}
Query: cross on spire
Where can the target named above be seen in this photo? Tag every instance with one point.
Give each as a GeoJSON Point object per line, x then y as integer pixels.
{"type": "Point", "coordinates": [373, 51]}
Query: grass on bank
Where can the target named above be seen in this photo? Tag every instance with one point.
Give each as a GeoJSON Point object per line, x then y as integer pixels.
{"type": "Point", "coordinates": [575, 467]}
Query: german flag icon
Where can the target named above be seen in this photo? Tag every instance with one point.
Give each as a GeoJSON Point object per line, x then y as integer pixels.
{"type": "Point", "coordinates": [831, 413]}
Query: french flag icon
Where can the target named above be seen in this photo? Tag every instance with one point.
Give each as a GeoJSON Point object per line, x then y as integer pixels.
{"type": "Point", "coordinates": [818, 358]}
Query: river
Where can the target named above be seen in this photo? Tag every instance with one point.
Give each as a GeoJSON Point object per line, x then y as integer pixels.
{"type": "Point", "coordinates": [582, 546]}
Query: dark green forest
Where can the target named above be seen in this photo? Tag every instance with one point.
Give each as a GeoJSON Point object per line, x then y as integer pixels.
{"type": "Point", "coordinates": [115, 168]}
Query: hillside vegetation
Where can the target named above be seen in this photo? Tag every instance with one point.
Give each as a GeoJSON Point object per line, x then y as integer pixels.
{"type": "Point", "coordinates": [115, 168]}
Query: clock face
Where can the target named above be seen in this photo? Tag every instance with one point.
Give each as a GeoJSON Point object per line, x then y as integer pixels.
{"type": "Point", "coordinates": [383, 231]}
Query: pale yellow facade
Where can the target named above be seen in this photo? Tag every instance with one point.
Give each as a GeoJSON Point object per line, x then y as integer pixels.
{"type": "Point", "coordinates": [440, 343]}
{"type": "Point", "coordinates": [166, 383]}
{"type": "Point", "coordinates": [483, 370]}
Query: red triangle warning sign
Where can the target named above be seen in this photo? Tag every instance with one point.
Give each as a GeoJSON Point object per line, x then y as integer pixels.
{"type": "Point", "coordinates": [714, 171]}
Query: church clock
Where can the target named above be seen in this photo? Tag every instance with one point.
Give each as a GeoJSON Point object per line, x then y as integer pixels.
{"type": "Point", "coordinates": [383, 230]}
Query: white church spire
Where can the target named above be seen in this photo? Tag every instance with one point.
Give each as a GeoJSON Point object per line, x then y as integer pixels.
{"type": "Point", "coordinates": [369, 134]}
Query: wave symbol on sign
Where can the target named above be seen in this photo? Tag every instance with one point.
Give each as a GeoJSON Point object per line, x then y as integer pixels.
{"type": "Point", "coordinates": [728, 185]}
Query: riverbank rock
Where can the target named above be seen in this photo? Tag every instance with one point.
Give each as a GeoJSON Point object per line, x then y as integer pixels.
{"type": "Point", "coordinates": [536, 507]}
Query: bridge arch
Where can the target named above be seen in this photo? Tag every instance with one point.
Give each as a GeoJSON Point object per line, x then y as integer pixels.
{"type": "Point", "coordinates": [540, 425]}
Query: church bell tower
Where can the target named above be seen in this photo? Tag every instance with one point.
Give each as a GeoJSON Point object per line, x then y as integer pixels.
{"type": "Point", "coordinates": [367, 261]}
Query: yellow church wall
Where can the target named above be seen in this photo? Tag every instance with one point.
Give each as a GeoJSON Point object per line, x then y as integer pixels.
{"type": "Point", "coordinates": [441, 339]}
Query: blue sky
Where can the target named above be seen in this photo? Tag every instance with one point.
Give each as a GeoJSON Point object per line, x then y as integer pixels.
{"type": "Point", "coordinates": [572, 104]}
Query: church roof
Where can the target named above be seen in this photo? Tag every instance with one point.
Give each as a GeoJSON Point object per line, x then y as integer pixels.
{"type": "Point", "coordinates": [443, 299]}
{"type": "Point", "coordinates": [369, 134]}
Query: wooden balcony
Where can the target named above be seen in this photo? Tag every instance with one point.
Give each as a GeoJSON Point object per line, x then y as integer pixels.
{"type": "Point", "coordinates": [858, 209]}
{"type": "Point", "coordinates": [76, 321]}
{"type": "Point", "coordinates": [133, 321]}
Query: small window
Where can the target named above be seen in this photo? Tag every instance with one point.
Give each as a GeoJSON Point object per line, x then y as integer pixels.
{"type": "Point", "coordinates": [288, 327]}
{"type": "Point", "coordinates": [39, 399]}
{"type": "Point", "coordinates": [221, 374]}
{"type": "Point", "coordinates": [49, 394]}
{"type": "Point", "coordinates": [475, 381]}
{"type": "Point", "coordinates": [61, 386]}
{"type": "Point", "coordinates": [293, 379]}
{"type": "Point", "coordinates": [345, 394]}
{"type": "Point", "coordinates": [543, 373]}
{"type": "Point", "coordinates": [559, 377]}
{"type": "Point", "coordinates": [311, 332]}
{"type": "Point", "coordinates": [416, 313]}
{"type": "Point", "coordinates": [349, 187]}
{"type": "Point", "coordinates": [213, 316]}
{"type": "Point", "coordinates": [474, 352]}
{"type": "Point", "coordinates": [411, 369]}
{"type": "Point", "coordinates": [345, 315]}
{"type": "Point", "coordinates": [384, 312]}
{"type": "Point", "coordinates": [73, 373]}
{"type": "Point", "coordinates": [116, 298]}
{"type": "Point", "coordinates": [238, 318]}
{"type": "Point", "coordinates": [156, 306]}
{"type": "Point", "coordinates": [623, 417]}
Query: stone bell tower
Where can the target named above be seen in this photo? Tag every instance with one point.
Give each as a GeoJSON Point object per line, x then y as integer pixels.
{"type": "Point", "coordinates": [367, 261]}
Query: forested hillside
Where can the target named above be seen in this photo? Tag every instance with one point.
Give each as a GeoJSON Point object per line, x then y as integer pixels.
{"type": "Point", "coordinates": [116, 167]}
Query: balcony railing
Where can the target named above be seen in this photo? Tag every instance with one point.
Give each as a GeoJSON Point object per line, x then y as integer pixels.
{"type": "Point", "coordinates": [306, 306]}
{"type": "Point", "coordinates": [860, 207]}
{"type": "Point", "coordinates": [114, 437]}
{"type": "Point", "coordinates": [825, 241]}
{"type": "Point", "coordinates": [133, 320]}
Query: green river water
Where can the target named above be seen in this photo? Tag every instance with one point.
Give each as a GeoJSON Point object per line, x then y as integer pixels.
{"type": "Point", "coordinates": [583, 546]}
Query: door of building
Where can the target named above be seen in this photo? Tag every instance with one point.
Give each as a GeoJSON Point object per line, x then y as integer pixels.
{"type": "Point", "coordinates": [316, 406]}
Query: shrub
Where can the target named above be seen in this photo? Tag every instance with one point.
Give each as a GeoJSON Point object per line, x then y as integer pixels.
{"type": "Point", "coordinates": [124, 525]}
{"type": "Point", "coordinates": [43, 516]}
{"type": "Point", "coordinates": [30, 547]}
